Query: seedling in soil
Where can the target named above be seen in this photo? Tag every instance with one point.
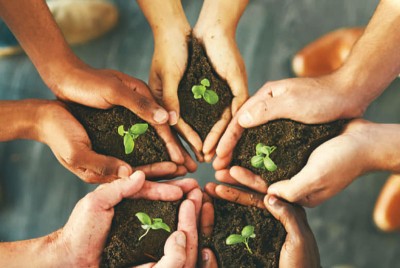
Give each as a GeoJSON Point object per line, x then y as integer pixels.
{"type": "Point", "coordinates": [148, 223]}
{"type": "Point", "coordinates": [131, 135]}
{"type": "Point", "coordinates": [262, 159]}
{"type": "Point", "coordinates": [247, 233]}
{"type": "Point", "coordinates": [201, 91]}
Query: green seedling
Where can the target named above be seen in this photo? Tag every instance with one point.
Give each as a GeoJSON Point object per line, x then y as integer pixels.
{"type": "Point", "coordinates": [247, 233]}
{"type": "Point", "coordinates": [262, 159]}
{"type": "Point", "coordinates": [201, 91]}
{"type": "Point", "coordinates": [148, 223]}
{"type": "Point", "coordinates": [131, 135]}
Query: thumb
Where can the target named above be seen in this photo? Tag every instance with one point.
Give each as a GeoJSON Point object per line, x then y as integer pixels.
{"type": "Point", "coordinates": [96, 168]}
{"type": "Point", "coordinates": [170, 97]}
{"type": "Point", "coordinates": [174, 251]}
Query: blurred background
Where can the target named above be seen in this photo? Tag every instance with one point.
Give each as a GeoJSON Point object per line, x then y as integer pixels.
{"type": "Point", "coordinates": [37, 194]}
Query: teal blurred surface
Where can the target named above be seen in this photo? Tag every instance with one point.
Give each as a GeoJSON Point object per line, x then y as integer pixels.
{"type": "Point", "coordinates": [37, 194]}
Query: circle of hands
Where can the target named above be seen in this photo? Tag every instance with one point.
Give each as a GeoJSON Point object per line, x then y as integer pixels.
{"type": "Point", "coordinates": [307, 100]}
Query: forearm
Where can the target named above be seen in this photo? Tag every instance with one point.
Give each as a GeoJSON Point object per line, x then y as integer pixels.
{"type": "Point", "coordinates": [20, 119]}
{"type": "Point", "coordinates": [165, 16]}
{"type": "Point", "coordinates": [223, 15]}
{"type": "Point", "coordinates": [375, 59]}
{"type": "Point", "coordinates": [37, 32]}
{"type": "Point", "coordinates": [38, 252]}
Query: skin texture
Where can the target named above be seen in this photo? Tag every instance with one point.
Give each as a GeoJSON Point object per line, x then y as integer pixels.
{"type": "Point", "coordinates": [80, 242]}
{"type": "Point", "coordinates": [300, 248]}
{"type": "Point", "coordinates": [372, 64]}
{"type": "Point", "coordinates": [51, 123]}
{"type": "Point", "coordinates": [216, 30]}
{"type": "Point", "coordinates": [70, 79]}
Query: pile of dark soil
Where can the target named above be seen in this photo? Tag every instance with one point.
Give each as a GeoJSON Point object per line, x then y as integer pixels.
{"type": "Point", "coordinates": [294, 141]}
{"type": "Point", "coordinates": [230, 219]}
{"type": "Point", "coordinates": [123, 248]}
{"type": "Point", "coordinates": [200, 115]}
{"type": "Point", "coordinates": [102, 125]}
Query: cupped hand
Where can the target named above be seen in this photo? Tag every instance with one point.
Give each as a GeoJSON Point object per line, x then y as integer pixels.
{"type": "Point", "coordinates": [300, 248]}
{"type": "Point", "coordinates": [71, 145]}
{"type": "Point", "coordinates": [84, 236]}
{"type": "Point", "coordinates": [225, 57]}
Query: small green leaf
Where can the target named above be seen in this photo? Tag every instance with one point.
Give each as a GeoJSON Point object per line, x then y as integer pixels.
{"type": "Point", "coordinates": [121, 130]}
{"type": "Point", "coordinates": [198, 90]}
{"type": "Point", "coordinates": [139, 129]}
{"type": "Point", "coordinates": [271, 149]}
{"type": "Point", "coordinates": [143, 218]}
{"type": "Point", "coordinates": [248, 231]}
{"type": "Point", "coordinates": [266, 150]}
{"type": "Point", "coordinates": [253, 236]}
{"type": "Point", "coordinates": [160, 225]}
{"type": "Point", "coordinates": [234, 239]}
{"type": "Point", "coordinates": [211, 97]}
{"type": "Point", "coordinates": [129, 144]}
{"type": "Point", "coordinates": [269, 164]}
{"type": "Point", "coordinates": [196, 96]}
{"type": "Point", "coordinates": [259, 147]}
{"type": "Point", "coordinates": [205, 82]}
{"type": "Point", "coordinates": [257, 161]}
{"type": "Point", "coordinates": [157, 220]}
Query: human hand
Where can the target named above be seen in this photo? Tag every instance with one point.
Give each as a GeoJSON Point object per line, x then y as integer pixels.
{"type": "Point", "coordinates": [224, 55]}
{"type": "Point", "coordinates": [300, 248]}
{"type": "Point", "coordinates": [82, 239]}
{"type": "Point", "coordinates": [72, 147]}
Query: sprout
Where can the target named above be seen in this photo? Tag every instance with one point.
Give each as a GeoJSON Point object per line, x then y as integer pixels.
{"type": "Point", "coordinates": [131, 135]}
{"type": "Point", "coordinates": [148, 223]}
{"type": "Point", "coordinates": [262, 159]}
{"type": "Point", "coordinates": [201, 91]}
{"type": "Point", "coordinates": [247, 233]}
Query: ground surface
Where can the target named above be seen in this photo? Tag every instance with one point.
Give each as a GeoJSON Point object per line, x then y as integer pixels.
{"type": "Point", "coordinates": [37, 194]}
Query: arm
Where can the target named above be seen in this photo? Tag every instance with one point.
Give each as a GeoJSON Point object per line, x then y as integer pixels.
{"type": "Point", "coordinates": [216, 29]}
{"type": "Point", "coordinates": [65, 74]}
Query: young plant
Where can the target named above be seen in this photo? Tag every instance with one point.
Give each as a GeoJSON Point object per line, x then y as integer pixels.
{"type": "Point", "coordinates": [201, 91]}
{"type": "Point", "coordinates": [148, 223]}
{"type": "Point", "coordinates": [262, 159]}
{"type": "Point", "coordinates": [247, 233]}
{"type": "Point", "coordinates": [131, 135]}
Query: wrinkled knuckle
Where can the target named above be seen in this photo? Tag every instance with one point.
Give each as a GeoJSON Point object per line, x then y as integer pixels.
{"type": "Point", "coordinates": [89, 202]}
{"type": "Point", "coordinates": [143, 103]}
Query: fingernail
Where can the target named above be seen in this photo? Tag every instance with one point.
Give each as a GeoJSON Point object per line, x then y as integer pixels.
{"type": "Point", "coordinates": [272, 200]}
{"type": "Point", "coordinates": [181, 239]}
{"type": "Point", "coordinates": [123, 172]}
{"type": "Point", "coordinates": [173, 118]}
{"type": "Point", "coordinates": [205, 255]}
{"type": "Point", "coordinates": [245, 119]}
{"type": "Point", "coordinates": [160, 116]}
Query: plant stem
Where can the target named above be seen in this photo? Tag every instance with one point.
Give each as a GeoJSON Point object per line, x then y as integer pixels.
{"type": "Point", "coordinates": [247, 245]}
{"type": "Point", "coordinates": [144, 234]}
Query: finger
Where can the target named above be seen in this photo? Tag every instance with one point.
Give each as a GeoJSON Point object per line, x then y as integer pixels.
{"type": "Point", "coordinates": [207, 198]}
{"type": "Point", "coordinates": [133, 83]}
{"type": "Point", "coordinates": [174, 251]}
{"type": "Point", "coordinates": [230, 138]}
{"type": "Point", "coordinates": [181, 171]}
{"type": "Point", "coordinates": [155, 84]}
{"type": "Point", "coordinates": [208, 157]}
{"type": "Point", "coordinates": [208, 259]}
{"type": "Point", "coordinates": [170, 96]}
{"type": "Point", "coordinates": [189, 163]}
{"type": "Point", "coordinates": [216, 132]}
{"type": "Point", "coordinates": [110, 194]}
{"type": "Point", "coordinates": [159, 191]}
{"type": "Point", "coordinates": [210, 189]}
{"type": "Point", "coordinates": [171, 143]}
{"type": "Point", "coordinates": [144, 107]}
{"type": "Point", "coordinates": [224, 176]}
{"type": "Point", "coordinates": [249, 179]}
{"type": "Point", "coordinates": [186, 185]}
{"type": "Point", "coordinates": [187, 224]}
{"type": "Point", "coordinates": [95, 168]}
{"type": "Point", "coordinates": [293, 221]}
{"type": "Point", "coordinates": [191, 137]}
{"type": "Point", "coordinates": [222, 162]}
{"type": "Point", "coordinates": [207, 219]}
{"type": "Point", "coordinates": [157, 170]}
{"type": "Point", "coordinates": [196, 196]}
{"type": "Point", "coordinates": [239, 196]}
